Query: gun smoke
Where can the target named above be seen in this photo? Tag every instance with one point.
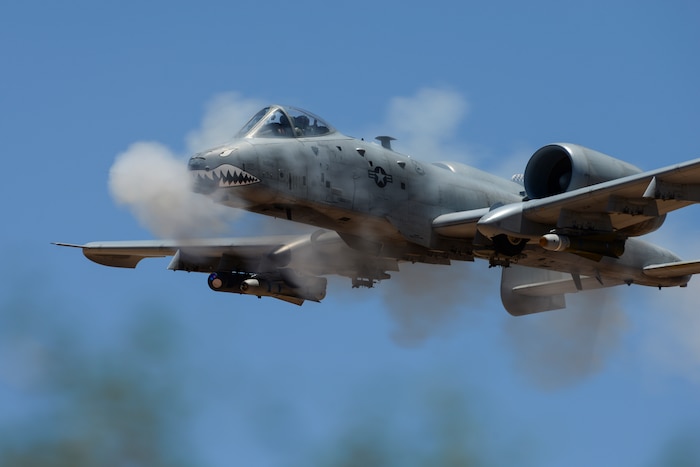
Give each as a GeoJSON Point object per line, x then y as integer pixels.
{"type": "Point", "coordinates": [426, 301]}
{"type": "Point", "coordinates": [560, 348]}
{"type": "Point", "coordinates": [154, 184]}
{"type": "Point", "coordinates": [150, 180]}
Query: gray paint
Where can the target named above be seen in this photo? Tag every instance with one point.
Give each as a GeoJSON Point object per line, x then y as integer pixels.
{"type": "Point", "coordinates": [381, 207]}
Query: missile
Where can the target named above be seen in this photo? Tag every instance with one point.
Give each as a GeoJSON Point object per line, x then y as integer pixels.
{"type": "Point", "coordinates": [313, 288]}
{"type": "Point", "coordinates": [597, 245]}
{"type": "Point", "coordinates": [249, 285]}
{"type": "Point", "coordinates": [554, 242]}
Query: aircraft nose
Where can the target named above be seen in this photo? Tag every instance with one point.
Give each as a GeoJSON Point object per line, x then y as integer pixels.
{"type": "Point", "coordinates": [197, 162]}
{"type": "Point", "coordinates": [222, 168]}
{"type": "Point", "coordinates": [199, 169]}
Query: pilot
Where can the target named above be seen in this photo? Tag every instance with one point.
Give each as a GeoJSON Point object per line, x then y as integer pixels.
{"type": "Point", "coordinates": [301, 123]}
{"type": "Point", "coordinates": [284, 128]}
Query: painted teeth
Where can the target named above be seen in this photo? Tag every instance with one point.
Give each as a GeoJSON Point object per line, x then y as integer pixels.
{"type": "Point", "coordinates": [226, 175]}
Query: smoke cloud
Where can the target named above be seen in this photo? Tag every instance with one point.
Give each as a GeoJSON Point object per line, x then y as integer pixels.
{"type": "Point", "coordinates": [153, 182]}
{"type": "Point", "coordinates": [155, 185]}
{"type": "Point", "coordinates": [672, 342]}
{"type": "Point", "coordinates": [224, 115]}
{"type": "Point", "coordinates": [560, 348]}
{"type": "Point", "coordinates": [426, 123]}
{"type": "Point", "coordinates": [425, 300]}
{"type": "Point", "coordinates": [552, 349]}
{"type": "Point", "coordinates": [428, 300]}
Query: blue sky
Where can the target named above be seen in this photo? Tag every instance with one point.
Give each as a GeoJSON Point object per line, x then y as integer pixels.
{"type": "Point", "coordinates": [613, 380]}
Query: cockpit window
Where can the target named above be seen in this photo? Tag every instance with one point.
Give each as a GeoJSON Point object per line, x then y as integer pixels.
{"type": "Point", "coordinates": [284, 122]}
{"type": "Point", "coordinates": [306, 124]}
{"type": "Point", "coordinates": [276, 124]}
{"type": "Point", "coordinates": [252, 122]}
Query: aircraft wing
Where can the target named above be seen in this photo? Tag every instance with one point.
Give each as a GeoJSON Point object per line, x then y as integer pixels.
{"type": "Point", "coordinates": [623, 207]}
{"type": "Point", "coordinates": [203, 254]}
{"type": "Point", "coordinates": [613, 206]}
{"type": "Point", "coordinates": [284, 267]}
{"type": "Point", "coordinates": [628, 200]}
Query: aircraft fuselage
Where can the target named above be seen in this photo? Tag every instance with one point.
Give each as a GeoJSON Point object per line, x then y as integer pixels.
{"type": "Point", "coordinates": [386, 203]}
{"type": "Point", "coordinates": [380, 198]}
{"type": "Point", "coordinates": [573, 223]}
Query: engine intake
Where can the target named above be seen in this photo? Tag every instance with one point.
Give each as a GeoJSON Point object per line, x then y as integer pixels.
{"type": "Point", "coordinates": [558, 168]}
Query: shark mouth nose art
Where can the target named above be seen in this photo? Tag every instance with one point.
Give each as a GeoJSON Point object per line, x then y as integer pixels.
{"type": "Point", "coordinates": [223, 176]}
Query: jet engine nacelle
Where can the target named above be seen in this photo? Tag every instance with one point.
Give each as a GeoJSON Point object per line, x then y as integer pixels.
{"type": "Point", "coordinates": [562, 167]}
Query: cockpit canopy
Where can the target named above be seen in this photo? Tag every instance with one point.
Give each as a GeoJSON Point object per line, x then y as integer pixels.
{"type": "Point", "coordinates": [277, 121]}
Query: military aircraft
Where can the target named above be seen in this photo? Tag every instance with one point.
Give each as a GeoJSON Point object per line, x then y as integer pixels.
{"type": "Point", "coordinates": [570, 223]}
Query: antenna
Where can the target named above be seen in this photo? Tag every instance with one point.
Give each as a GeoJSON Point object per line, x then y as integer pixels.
{"type": "Point", "coordinates": [386, 141]}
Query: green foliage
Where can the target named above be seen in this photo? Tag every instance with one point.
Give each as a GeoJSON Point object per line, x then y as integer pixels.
{"type": "Point", "coordinates": [80, 406]}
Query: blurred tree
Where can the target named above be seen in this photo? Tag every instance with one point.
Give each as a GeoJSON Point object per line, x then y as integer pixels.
{"type": "Point", "coordinates": [78, 406]}
{"type": "Point", "coordinates": [441, 430]}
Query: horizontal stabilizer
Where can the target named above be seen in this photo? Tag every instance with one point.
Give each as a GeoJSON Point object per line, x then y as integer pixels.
{"type": "Point", "coordinates": [526, 290]}
{"type": "Point", "coordinates": [520, 277]}
{"type": "Point", "coordinates": [560, 286]}
{"type": "Point", "coordinates": [677, 269]}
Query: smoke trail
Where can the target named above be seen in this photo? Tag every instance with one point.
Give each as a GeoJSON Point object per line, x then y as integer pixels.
{"type": "Point", "coordinates": [560, 348]}
{"type": "Point", "coordinates": [154, 183]}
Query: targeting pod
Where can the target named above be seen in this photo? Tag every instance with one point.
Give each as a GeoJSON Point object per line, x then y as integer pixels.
{"type": "Point", "coordinates": [554, 242]}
